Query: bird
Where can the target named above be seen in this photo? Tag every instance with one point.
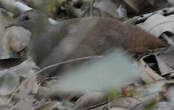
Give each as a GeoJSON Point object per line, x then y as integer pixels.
{"type": "Point", "coordinates": [80, 37]}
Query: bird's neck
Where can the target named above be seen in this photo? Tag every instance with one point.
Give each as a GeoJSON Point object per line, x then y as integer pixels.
{"type": "Point", "coordinates": [42, 28]}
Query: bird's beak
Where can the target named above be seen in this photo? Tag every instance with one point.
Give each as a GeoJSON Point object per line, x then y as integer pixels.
{"type": "Point", "coordinates": [15, 23]}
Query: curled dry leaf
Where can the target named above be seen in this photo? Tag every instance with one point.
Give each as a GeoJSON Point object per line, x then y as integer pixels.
{"type": "Point", "coordinates": [149, 75]}
{"type": "Point", "coordinates": [14, 41]}
{"type": "Point", "coordinates": [158, 24]}
{"type": "Point", "coordinates": [14, 6]}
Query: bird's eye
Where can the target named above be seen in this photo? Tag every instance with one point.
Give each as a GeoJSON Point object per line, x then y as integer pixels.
{"type": "Point", "coordinates": [26, 18]}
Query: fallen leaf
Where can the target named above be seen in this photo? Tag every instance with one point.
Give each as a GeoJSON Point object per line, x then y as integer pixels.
{"type": "Point", "coordinates": [158, 24]}
{"type": "Point", "coordinates": [149, 75]}
{"type": "Point", "coordinates": [15, 40]}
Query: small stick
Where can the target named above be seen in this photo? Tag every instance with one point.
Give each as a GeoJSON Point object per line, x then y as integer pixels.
{"type": "Point", "coordinates": [67, 61]}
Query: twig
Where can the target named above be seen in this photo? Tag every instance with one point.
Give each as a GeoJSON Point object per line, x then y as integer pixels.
{"type": "Point", "coordinates": [68, 61]}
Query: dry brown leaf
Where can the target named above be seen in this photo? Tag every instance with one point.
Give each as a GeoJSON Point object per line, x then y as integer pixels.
{"type": "Point", "coordinates": [149, 75]}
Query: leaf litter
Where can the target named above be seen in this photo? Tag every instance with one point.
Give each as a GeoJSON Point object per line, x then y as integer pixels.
{"type": "Point", "coordinates": [98, 84]}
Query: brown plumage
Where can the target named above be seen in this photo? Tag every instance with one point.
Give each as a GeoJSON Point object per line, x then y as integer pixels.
{"type": "Point", "coordinates": [81, 37]}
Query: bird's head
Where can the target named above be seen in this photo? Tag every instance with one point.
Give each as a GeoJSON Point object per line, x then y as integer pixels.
{"type": "Point", "coordinates": [30, 20]}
